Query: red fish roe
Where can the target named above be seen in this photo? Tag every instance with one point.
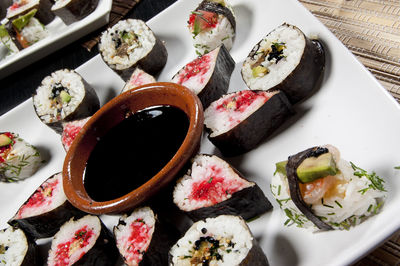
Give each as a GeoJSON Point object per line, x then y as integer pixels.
{"type": "Point", "coordinates": [203, 20]}
{"type": "Point", "coordinates": [17, 5]}
{"type": "Point", "coordinates": [65, 250]}
{"type": "Point", "coordinates": [197, 67]}
{"type": "Point", "coordinates": [215, 187]}
{"type": "Point", "coordinates": [7, 148]}
{"type": "Point", "coordinates": [137, 242]}
{"type": "Point", "coordinates": [69, 134]}
{"type": "Point", "coordinates": [241, 100]}
{"type": "Point", "coordinates": [41, 197]}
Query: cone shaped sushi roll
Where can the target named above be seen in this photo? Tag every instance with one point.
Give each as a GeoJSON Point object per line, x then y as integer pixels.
{"type": "Point", "coordinates": [131, 43]}
{"type": "Point", "coordinates": [208, 75]}
{"type": "Point", "coordinates": [18, 159]}
{"type": "Point", "coordinates": [64, 96]}
{"type": "Point", "coordinates": [212, 187]}
{"type": "Point", "coordinates": [238, 121]}
{"type": "Point", "coordinates": [83, 242]}
{"type": "Point", "coordinates": [71, 130]}
{"type": "Point", "coordinates": [285, 60]}
{"type": "Point", "coordinates": [16, 248]}
{"type": "Point", "coordinates": [22, 7]}
{"type": "Point", "coordinates": [142, 239]}
{"type": "Point", "coordinates": [138, 78]}
{"type": "Point", "coordinates": [318, 189]}
{"type": "Point", "coordinates": [212, 24]}
{"type": "Point", "coordinates": [71, 11]}
{"type": "Point", "coordinates": [28, 30]}
{"type": "Point", "coordinates": [224, 240]}
{"type": "Point", "coordinates": [46, 210]}
{"type": "Point", "coordinates": [8, 46]}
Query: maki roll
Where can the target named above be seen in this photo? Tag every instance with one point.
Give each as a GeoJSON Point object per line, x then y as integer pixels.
{"type": "Point", "coordinates": [211, 24]}
{"type": "Point", "coordinates": [208, 75]}
{"type": "Point", "coordinates": [64, 96]}
{"type": "Point", "coordinates": [238, 121]}
{"type": "Point", "coordinates": [16, 248]}
{"type": "Point", "coordinates": [71, 130]}
{"type": "Point", "coordinates": [131, 43]}
{"type": "Point", "coordinates": [212, 187]}
{"type": "Point", "coordinates": [7, 44]}
{"type": "Point", "coordinates": [18, 159]}
{"type": "Point", "coordinates": [28, 29]}
{"type": "Point", "coordinates": [142, 239]}
{"type": "Point", "coordinates": [46, 210]}
{"type": "Point", "coordinates": [224, 240]}
{"type": "Point", "coordinates": [285, 60]}
{"type": "Point", "coordinates": [71, 11]}
{"type": "Point", "coordinates": [83, 242]}
{"type": "Point", "coordinates": [318, 189]}
{"type": "Point", "coordinates": [138, 78]}
{"type": "Point", "coordinates": [22, 7]}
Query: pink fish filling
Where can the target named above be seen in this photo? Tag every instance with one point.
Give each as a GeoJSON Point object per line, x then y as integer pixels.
{"type": "Point", "coordinates": [70, 132]}
{"type": "Point", "coordinates": [138, 241]}
{"type": "Point", "coordinates": [138, 78]}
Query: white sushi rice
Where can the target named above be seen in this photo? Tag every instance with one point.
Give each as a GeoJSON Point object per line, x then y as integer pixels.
{"type": "Point", "coordinates": [14, 246]}
{"type": "Point", "coordinates": [123, 232]}
{"type": "Point", "coordinates": [34, 31]}
{"type": "Point", "coordinates": [53, 197]}
{"type": "Point", "coordinates": [347, 206]}
{"type": "Point", "coordinates": [46, 108]}
{"type": "Point", "coordinates": [138, 50]}
{"type": "Point", "coordinates": [7, 47]}
{"type": "Point", "coordinates": [23, 6]}
{"type": "Point", "coordinates": [294, 42]}
{"type": "Point", "coordinates": [21, 162]}
{"type": "Point", "coordinates": [67, 233]}
{"type": "Point", "coordinates": [203, 169]}
{"type": "Point", "coordinates": [225, 228]}
{"type": "Point", "coordinates": [221, 120]}
{"type": "Point", "coordinates": [196, 83]}
{"type": "Point", "coordinates": [138, 78]}
{"type": "Point", "coordinates": [210, 39]}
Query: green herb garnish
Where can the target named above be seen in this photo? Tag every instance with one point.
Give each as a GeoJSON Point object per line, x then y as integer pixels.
{"type": "Point", "coordinates": [376, 181]}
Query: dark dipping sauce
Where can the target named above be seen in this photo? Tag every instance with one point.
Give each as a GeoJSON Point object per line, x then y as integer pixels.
{"type": "Point", "coordinates": [134, 151]}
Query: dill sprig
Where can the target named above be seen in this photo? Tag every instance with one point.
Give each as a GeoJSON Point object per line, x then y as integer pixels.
{"type": "Point", "coordinates": [376, 181]}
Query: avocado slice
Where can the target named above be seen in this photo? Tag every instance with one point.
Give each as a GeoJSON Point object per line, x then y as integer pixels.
{"type": "Point", "coordinates": [65, 97]}
{"type": "Point", "coordinates": [314, 168]}
{"type": "Point", "coordinates": [20, 22]}
{"type": "Point", "coordinates": [259, 71]}
{"type": "Point", "coordinates": [5, 140]}
{"type": "Point", "coordinates": [281, 167]}
{"type": "Point", "coordinates": [3, 32]}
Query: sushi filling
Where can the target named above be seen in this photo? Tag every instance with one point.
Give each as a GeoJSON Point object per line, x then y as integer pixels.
{"type": "Point", "coordinates": [126, 43]}
{"type": "Point", "coordinates": [224, 240]}
{"type": "Point", "coordinates": [13, 246]}
{"type": "Point", "coordinates": [7, 46]}
{"type": "Point", "coordinates": [20, 6]}
{"type": "Point", "coordinates": [71, 130]}
{"type": "Point", "coordinates": [232, 109]}
{"type": "Point", "coordinates": [134, 234]}
{"type": "Point", "coordinates": [138, 78]}
{"type": "Point", "coordinates": [47, 197]}
{"type": "Point", "coordinates": [211, 181]}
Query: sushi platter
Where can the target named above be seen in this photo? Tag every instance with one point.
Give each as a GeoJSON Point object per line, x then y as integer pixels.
{"type": "Point", "coordinates": [59, 35]}
{"type": "Point", "coordinates": [350, 110]}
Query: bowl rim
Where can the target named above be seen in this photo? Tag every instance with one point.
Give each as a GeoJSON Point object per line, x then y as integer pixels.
{"type": "Point", "coordinates": [78, 196]}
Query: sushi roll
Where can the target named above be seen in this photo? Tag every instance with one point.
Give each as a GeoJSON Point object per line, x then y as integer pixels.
{"type": "Point", "coordinates": [64, 96]}
{"type": "Point", "coordinates": [7, 44]}
{"type": "Point", "coordinates": [16, 248]}
{"type": "Point", "coordinates": [22, 7]}
{"type": "Point", "coordinates": [138, 78]}
{"type": "Point", "coordinates": [85, 241]}
{"type": "Point", "coordinates": [208, 75]}
{"type": "Point", "coordinates": [46, 210]}
{"type": "Point", "coordinates": [285, 60]}
{"type": "Point", "coordinates": [71, 130]}
{"type": "Point", "coordinates": [212, 187]}
{"type": "Point", "coordinates": [18, 159]}
{"type": "Point", "coordinates": [211, 24]}
{"type": "Point", "coordinates": [223, 240]}
{"type": "Point", "coordinates": [71, 11]}
{"type": "Point", "coordinates": [239, 121]}
{"type": "Point", "coordinates": [319, 190]}
{"type": "Point", "coordinates": [131, 43]}
{"type": "Point", "coordinates": [142, 239]}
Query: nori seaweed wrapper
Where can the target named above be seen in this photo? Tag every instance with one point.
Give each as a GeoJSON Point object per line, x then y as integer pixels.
{"type": "Point", "coordinates": [75, 10]}
{"type": "Point", "coordinates": [209, 6]}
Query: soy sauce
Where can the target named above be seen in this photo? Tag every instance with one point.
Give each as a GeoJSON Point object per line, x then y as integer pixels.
{"type": "Point", "coordinates": [134, 151]}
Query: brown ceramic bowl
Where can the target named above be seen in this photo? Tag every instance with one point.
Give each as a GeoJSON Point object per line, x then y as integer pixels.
{"type": "Point", "coordinates": [110, 115]}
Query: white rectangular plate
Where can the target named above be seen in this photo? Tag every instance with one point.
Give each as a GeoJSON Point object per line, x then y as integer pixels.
{"type": "Point", "coordinates": [351, 111]}
{"type": "Point", "coordinates": [60, 35]}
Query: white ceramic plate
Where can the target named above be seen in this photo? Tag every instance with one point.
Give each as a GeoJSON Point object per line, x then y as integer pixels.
{"type": "Point", "coordinates": [351, 111]}
{"type": "Point", "coordinates": [60, 35]}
